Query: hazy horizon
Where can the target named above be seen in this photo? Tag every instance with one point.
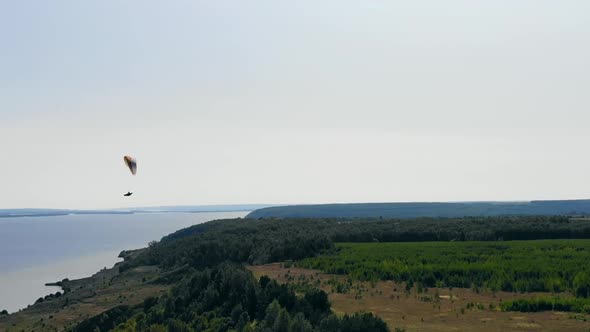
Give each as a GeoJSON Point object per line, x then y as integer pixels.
{"type": "Point", "coordinates": [292, 103]}
{"type": "Point", "coordinates": [288, 204]}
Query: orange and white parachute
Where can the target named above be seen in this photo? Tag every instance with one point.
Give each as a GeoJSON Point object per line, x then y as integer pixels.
{"type": "Point", "coordinates": [131, 164]}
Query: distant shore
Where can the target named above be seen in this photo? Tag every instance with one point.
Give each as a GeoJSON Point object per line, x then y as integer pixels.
{"type": "Point", "coordinates": [33, 212]}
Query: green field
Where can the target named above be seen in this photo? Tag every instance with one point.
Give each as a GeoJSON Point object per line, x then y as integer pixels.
{"type": "Point", "coordinates": [514, 266]}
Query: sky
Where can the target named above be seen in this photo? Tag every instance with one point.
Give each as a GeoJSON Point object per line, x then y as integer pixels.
{"type": "Point", "coordinates": [286, 102]}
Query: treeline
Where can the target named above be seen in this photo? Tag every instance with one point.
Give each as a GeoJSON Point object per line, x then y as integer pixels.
{"type": "Point", "coordinates": [405, 230]}
{"type": "Point", "coordinates": [548, 303]}
{"type": "Point", "coordinates": [426, 209]}
{"type": "Point", "coordinates": [237, 241]}
{"type": "Point", "coordinates": [277, 239]}
{"type": "Point", "coordinates": [270, 240]}
{"type": "Point", "coordinates": [227, 298]}
{"type": "Point", "coordinates": [461, 229]}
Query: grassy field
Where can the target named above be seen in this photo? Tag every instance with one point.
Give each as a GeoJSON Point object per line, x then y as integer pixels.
{"type": "Point", "coordinates": [512, 266]}
{"type": "Point", "coordinates": [436, 309]}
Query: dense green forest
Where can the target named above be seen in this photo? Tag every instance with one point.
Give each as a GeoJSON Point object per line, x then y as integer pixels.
{"type": "Point", "coordinates": [406, 230]}
{"type": "Point", "coordinates": [513, 266]}
{"type": "Point", "coordinates": [271, 240]}
{"type": "Point", "coordinates": [433, 210]}
{"type": "Point", "coordinates": [213, 292]}
{"type": "Point", "coordinates": [227, 298]}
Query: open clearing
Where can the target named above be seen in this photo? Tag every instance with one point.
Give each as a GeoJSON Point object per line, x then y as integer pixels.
{"type": "Point", "coordinates": [456, 309]}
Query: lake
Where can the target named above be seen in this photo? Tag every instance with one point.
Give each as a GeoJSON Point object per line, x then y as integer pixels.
{"type": "Point", "coordinates": [36, 250]}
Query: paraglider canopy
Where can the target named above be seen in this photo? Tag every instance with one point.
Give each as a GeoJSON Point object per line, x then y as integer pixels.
{"type": "Point", "coordinates": [131, 164]}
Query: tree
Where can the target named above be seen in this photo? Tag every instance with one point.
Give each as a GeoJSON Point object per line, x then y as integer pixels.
{"type": "Point", "coordinates": [242, 321]}
{"type": "Point", "coordinates": [175, 325]}
{"type": "Point", "coordinates": [272, 312]}
{"type": "Point", "coordinates": [157, 328]}
{"type": "Point", "coordinates": [299, 324]}
{"type": "Point", "coordinates": [282, 322]}
{"type": "Point", "coordinates": [363, 322]}
{"type": "Point", "coordinates": [318, 300]}
{"type": "Point", "coordinates": [582, 285]}
{"type": "Point", "coordinates": [264, 280]}
{"type": "Point", "coordinates": [330, 324]}
{"type": "Point", "coordinates": [236, 313]}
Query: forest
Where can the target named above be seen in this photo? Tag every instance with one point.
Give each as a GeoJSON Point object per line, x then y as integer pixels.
{"type": "Point", "coordinates": [513, 266]}
{"type": "Point", "coordinates": [258, 241]}
{"type": "Point", "coordinates": [227, 298]}
{"type": "Point", "coordinates": [426, 209]}
{"type": "Point", "coordinates": [213, 292]}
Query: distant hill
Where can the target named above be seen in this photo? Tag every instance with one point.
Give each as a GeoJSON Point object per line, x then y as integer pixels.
{"type": "Point", "coordinates": [31, 212]}
{"type": "Point", "coordinates": [12, 213]}
{"type": "Point", "coordinates": [200, 208]}
{"type": "Point", "coordinates": [415, 210]}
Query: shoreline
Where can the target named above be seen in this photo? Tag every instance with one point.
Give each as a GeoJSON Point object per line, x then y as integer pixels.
{"type": "Point", "coordinates": [23, 292]}
{"type": "Point", "coordinates": [125, 255]}
{"type": "Point", "coordinates": [87, 296]}
{"type": "Point", "coordinates": [31, 254]}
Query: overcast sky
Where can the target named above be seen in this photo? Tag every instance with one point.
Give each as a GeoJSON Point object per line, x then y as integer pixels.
{"type": "Point", "coordinates": [292, 101]}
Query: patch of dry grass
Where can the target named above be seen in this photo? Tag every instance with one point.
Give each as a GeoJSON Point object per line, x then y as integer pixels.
{"type": "Point", "coordinates": [436, 309]}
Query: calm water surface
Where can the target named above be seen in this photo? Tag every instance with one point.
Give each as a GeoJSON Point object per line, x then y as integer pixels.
{"type": "Point", "coordinates": [37, 250]}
